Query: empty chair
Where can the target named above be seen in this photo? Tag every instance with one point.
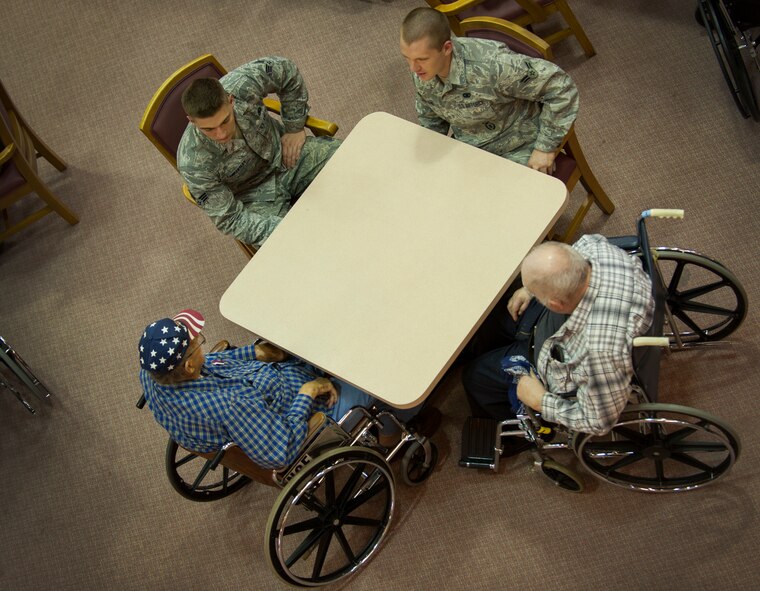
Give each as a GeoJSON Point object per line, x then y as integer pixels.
{"type": "Point", "coordinates": [20, 147]}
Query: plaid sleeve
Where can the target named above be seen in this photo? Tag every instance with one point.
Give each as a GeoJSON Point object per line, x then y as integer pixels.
{"type": "Point", "coordinates": [269, 439]}
{"type": "Point", "coordinates": [608, 380]}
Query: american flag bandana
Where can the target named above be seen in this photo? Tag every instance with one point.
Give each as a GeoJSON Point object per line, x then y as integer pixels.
{"type": "Point", "coordinates": [163, 343]}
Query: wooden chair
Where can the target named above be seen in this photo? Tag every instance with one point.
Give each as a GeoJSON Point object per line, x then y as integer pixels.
{"type": "Point", "coordinates": [20, 147]}
{"type": "Point", "coordinates": [164, 120]}
{"type": "Point", "coordinates": [525, 13]}
{"type": "Point", "coordinates": [571, 163]}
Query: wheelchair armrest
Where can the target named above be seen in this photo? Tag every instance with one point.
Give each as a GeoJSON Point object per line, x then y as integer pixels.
{"type": "Point", "coordinates": [627, 243]}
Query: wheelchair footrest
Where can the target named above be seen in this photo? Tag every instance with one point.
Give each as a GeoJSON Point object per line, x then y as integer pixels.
{"type": "Point", "coordinates": [480, 438]}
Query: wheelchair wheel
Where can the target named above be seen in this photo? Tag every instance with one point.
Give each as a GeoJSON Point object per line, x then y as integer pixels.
{"type": "Point", "coordinates": [416, 465]}
{"type": "Point", "coordinates": [660, 448]}
{"type": "Point", "coordinates": [707, 302]}
{"type": "Point", "coordinates": [331, 517]}
{"type": "Point", "coordinates": [721, 31]}
{"type": "Point", "coordinates": [562, 476]}
{"type": "Point", "coordinates": [183, 468]}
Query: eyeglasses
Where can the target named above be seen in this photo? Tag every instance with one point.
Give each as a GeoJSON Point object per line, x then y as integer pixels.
{"type": "Point", "coordinates": [200, 339]}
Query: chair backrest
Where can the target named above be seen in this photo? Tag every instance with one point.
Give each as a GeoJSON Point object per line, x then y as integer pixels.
{"type": "Point", "coordinates": [515, 37]}
{"type": "Point", "coordinates": [164, 120]}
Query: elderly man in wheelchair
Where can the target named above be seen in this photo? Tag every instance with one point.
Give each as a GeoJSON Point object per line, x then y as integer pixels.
{"type": "Point", "coordinates": [576, 356]}
{"type": "Point", "coordinates": [263, 416]}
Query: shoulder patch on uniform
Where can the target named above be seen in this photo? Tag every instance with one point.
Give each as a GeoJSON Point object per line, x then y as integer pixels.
{"type": "Point", "coordinates": [529, 74]}
{"type": "Point", "coordinates": [201, 199]}
{"type": "Point", "coordinates": [268, 67]}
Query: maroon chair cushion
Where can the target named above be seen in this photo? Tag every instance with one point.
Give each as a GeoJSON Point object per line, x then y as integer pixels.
{"type": "Point", "coordinates": [565, 166]}
{"type": "Point", "coordinates": [514, 44]}
{"type": "Point", "coordinates": [506, 9]}
{"type": "Point", "coordinates": [170, 120]}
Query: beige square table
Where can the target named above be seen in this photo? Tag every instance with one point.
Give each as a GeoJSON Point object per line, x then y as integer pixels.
{"type": "Point", "coordinates": [394, 255]}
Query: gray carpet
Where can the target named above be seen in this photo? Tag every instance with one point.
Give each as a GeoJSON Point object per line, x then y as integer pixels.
{"type": "Point", "coordinates": [86, 503]}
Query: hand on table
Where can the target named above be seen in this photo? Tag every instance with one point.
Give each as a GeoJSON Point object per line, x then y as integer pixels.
{"type": "Point", "coordinates": [518, 303]}
{"type": "Point", "coordinates": [268, 353]}
{"type": "Point", "coordinates": [321, 387]}
{"type": "Point", "coordinates": [542, 161]}
{"type": "Point", "coordinates": [291, 147]}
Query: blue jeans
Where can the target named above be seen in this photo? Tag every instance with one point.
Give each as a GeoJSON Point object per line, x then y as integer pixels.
{"type": "Point", "coordinates": [351, 396]}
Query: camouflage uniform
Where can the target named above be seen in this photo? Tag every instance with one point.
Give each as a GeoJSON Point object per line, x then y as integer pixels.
{"type": "Point", "coordinates": [242, 184]}
{"type": "Point", "coordinates": [498, 100]}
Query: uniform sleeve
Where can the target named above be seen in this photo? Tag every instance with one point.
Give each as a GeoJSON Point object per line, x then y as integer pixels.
{"type": "Point", "coordinates": [270, 439]}
{"type": "Point", "coordinates": [228, 214]}
{"type": "Point", "coordinates": [272, 75]}
{"type": "Point", "coordinates": [598, 402]}
{"type": "Point", "coordinates": [541, 81]}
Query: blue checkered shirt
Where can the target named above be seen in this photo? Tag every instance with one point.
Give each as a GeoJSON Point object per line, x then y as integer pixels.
{"type": "Point", "coordinates": [596, 342]}
{"type": "Point", "coordinates": [238, 399]}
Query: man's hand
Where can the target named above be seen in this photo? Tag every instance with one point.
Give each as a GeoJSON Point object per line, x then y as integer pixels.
{"type": "Point", "coordinates": [268, 353]}
{"type": "Point", "coordinates": [321, 387]}
{"type": "Point", "coordinates": [530, 391]}
{"type": "Point", "coordinates": [518, 303]}
{"type": "Point", "coordinates": [542, 161]}
{"type": "Point", "coordinates": [291, 147]}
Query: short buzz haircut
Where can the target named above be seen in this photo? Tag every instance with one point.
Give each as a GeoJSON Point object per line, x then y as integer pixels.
{"type": "Point", "coordinates": [204, 97]}
{"type": "Point", "coordinates": [425, 22]}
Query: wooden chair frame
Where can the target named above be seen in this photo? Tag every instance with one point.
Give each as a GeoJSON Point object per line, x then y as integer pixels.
{"type": "Point", "coordinates": [535, 13]}
{"type": "Point", "coordinates": [318, 127]}
{"type": "Point", "coordinates": [22, 147]}
{"type": "Point", "coordinates": [570, 145]}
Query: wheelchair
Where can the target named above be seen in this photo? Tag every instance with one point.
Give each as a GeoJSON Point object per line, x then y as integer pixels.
{"type": "Point", "coordinates": [336, 500]}
{"type": "Point", "coordinates": [733, 27]}
{"type": "Point", "coordinates": [654, 447]}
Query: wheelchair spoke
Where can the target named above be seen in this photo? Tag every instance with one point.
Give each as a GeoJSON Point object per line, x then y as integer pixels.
{"type": "Point", "coordinates": [351, 520]}
{"type": "Point", "coordinates": [696, 292]}
{"type": "Point", "coordinates": [350, 485]}
{"type": "Point", "coordinates": [188, 458]}
{"type": "Point", "coordinates": [676, 278]}
{"type": "Point", "coordinates": [356, 502]}
{"type": "Point", "coordinates": [329, 489]}
{"type": "Point", "coordinates": [691, 461]}
{"type": "Point", "coordinates": [313, 538]}
{"type": "Point", "coordinates": [689, 322]}
{"type": "Point", "coordinates": [624, 462]}
{"type": "Point", "coordinates": [319, 562]}
{"type": "Point", "coordinates": [345, 546]}
{"type": "Point", "coordinates": [659, 467]}
{"type": "Point", "coordinates": [705, 309]}
{"type": "Point", "coordinates": [305, 525]}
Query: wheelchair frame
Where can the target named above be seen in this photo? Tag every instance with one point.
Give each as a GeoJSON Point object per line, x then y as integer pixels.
{"type": "Point", "coordinates": [653, 447]}
{"type": "Point", "coordinates": [337, 498]}
{"type": "Point", "coordinates": [732, 26]}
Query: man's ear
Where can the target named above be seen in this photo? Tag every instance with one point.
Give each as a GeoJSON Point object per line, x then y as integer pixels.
{"type": "Point", "coordinates": [189, 366]}
{"type": "Point", "coordinates": [448, 47]}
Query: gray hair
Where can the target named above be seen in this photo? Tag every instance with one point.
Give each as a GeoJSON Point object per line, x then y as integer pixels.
{"type": "Point", "coordinates": [556, 269]}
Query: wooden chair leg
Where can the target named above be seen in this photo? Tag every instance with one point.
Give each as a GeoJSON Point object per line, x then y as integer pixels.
{"type": "Point", "coordinates": [54, 203]}
{"type": "Point", "coordinates": [575, 27]}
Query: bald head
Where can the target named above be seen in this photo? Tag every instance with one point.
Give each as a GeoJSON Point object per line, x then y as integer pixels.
{"type": "Point", "coordinates": [557, 275]}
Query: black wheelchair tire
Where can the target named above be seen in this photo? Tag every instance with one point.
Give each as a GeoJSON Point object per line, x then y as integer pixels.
{"type": "Point", "coordinates": [217, 484]}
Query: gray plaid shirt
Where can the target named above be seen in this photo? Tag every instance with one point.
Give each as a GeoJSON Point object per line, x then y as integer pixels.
{"type": "Point", "coordinates": [596, 342]}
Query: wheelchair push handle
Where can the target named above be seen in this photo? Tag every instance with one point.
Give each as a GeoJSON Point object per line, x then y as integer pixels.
{"type": "Point", "coordinates": [663, 213]}
{"type": "Point", "coordinates": [651, 342]}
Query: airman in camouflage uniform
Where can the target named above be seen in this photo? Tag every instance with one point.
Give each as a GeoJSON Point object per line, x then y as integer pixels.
{"type": "Point", "coordinates": [240, 177]}
{"type": "Point", "coordinates": [488, 96]}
